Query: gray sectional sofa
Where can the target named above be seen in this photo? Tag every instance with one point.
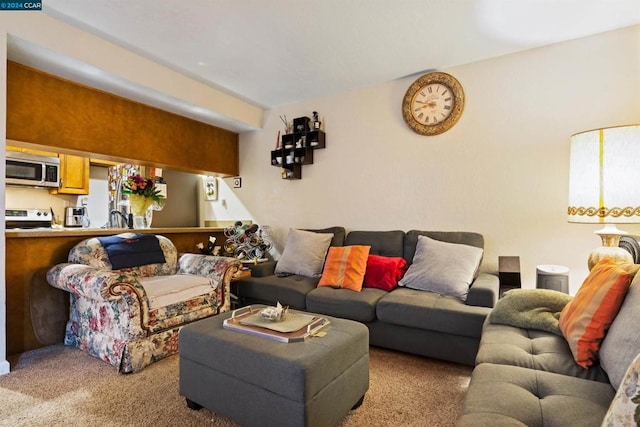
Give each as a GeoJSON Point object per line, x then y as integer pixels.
{"type": "Point", "coordinates": [528, 377]}
{"type": "Point", "coordinates": [408, 320]}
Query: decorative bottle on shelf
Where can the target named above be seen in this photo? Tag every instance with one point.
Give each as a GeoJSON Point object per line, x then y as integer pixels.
{"type": "Point", "coordinates": [316, 121]}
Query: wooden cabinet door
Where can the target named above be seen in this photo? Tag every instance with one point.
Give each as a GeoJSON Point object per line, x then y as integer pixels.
{"type": "Point", "coordinates": [74, 175]}
{"type": "Point", "coordinates": [31, 151]}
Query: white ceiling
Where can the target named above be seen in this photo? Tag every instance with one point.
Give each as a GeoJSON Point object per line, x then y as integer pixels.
{"type": "Point", "coordinates": [277, 52]}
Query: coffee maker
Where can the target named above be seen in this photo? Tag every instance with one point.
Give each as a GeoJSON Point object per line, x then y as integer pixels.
{"type": "Point", "coordinates": [75, 216]}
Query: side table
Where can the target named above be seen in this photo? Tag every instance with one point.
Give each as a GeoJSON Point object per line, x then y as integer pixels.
{"type": "Point", "coordinates": [240, 274]}
{"type": "Point", "coordinates": [555, 277]}
{"type": "Point", "coordinates": [509, 273]}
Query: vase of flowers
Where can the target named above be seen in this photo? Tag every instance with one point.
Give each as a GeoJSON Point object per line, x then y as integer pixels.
{"type": "Point", "coordinates": [143, 197]}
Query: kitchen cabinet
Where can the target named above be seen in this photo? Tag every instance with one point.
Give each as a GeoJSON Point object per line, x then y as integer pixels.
{"type": "Point", "coordinates": [74, 170]}
{"type": "Point", "coordinates": [74, 175]}
{"type": "Point", "coordinates": [31, 151]}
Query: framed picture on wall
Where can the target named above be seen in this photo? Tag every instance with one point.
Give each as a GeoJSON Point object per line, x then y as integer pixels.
{"type": "Point", "coordinates": [210, 185]}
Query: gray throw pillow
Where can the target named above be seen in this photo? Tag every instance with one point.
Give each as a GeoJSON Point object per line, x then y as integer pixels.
{"type": "Point", "coordinates": [441, 267]}
{"type": "Point", "coordinates": [304, 253]}
{"type": "Point", "coordinates": [622, 342]}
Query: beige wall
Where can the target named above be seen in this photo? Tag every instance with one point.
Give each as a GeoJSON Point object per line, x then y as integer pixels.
{"type": "Point", "coordinates": [501, 171]}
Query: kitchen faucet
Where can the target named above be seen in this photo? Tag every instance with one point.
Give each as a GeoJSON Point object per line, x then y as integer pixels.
{"type": "Point", "coordinates": [124, 220]}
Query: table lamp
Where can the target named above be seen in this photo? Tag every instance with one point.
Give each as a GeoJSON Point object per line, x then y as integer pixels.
{"type": "Point", "coordinates": [604, 185]}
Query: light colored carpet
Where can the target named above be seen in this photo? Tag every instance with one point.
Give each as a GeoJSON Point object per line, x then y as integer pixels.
{"type": "Point", "coordinates": [58, 385]}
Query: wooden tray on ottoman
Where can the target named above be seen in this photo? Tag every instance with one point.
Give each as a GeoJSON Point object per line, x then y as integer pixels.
{"type": "Point", "coordinates": [234, 323]}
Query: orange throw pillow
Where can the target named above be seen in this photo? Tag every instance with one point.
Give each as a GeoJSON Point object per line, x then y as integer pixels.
{"type": "Point", "coordinates": [345, 267]}
{"type": "Point", "coordinates": [586, 318]}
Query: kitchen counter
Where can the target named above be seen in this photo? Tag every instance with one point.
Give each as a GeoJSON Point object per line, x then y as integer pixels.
{"type": "Point", "coordinates": [36, 312]}
{"type": "Point", "coordinates": [79, 231]}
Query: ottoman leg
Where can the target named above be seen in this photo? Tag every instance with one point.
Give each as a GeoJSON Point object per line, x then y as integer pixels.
{"type": "Point", "coordinates": [358, 403]}
{"type": "Point", "coordinates": [193, 405]}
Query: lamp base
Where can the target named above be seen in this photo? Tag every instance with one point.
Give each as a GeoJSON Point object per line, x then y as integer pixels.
{"type": "Point", "coordinates": [610, 236]}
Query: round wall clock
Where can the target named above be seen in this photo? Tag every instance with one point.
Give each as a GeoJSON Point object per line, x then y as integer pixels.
{"type": "Point", "coordinates": [433, 103]}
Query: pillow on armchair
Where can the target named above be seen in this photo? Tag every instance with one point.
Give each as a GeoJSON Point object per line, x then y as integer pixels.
{"type": "Point", "coordinates": [132, 251]}
{"type": "Point", "coordinates": [92, 253]}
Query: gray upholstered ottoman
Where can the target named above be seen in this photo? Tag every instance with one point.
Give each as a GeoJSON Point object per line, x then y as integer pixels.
{"type": "Point", "coordinates": [257, 381]}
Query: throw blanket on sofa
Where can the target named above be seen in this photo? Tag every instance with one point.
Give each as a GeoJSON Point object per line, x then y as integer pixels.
{"type": "Point", "coordinates": [125, 252]}
{"type": "Point", "coordinates": [531, 309]}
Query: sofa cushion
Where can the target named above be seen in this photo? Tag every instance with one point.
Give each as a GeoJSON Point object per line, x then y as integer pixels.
{"type": "Point", "coordinates": [339, 234]}
{"type": "Point", "coordinates": [385, 243]}
{"type": "Point", "coordinates": [622, 342]}
{"type": "Point", "coordinates": [345, 267]}
{"type": "Point", "coordinates": [585, 320]}
{"type": "Point", "coordinates": [167, 290]}
{"type": "Point", "coordinates": [360, 306]}
{"type": "Point", "coordinates": [289, 290]}
{"type": "Point", "coordinates": [625, 407]}
{"type": "Point", "coordinates": [304, 253]}
{"type": "Point", "coordinates": [459, 237]}
{"type": "Point", "coordinates": [500, 395]}
{"type": "Point", "coordinates": [445, 268]}
{"type": "Point", "coordinates": [533, 349]}
{"type": "Point", "coordinates": [431, 311]}
{"type": "Point", "coordinates": [384, 272]}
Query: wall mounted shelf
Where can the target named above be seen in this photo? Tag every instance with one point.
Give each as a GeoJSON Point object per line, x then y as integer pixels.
{"type": "Point", "coordinates": [296, 149]}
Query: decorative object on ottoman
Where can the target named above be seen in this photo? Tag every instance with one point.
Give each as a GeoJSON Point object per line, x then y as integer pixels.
{"type": "Point", "coordinates": [276, 313]}
{"type": "Point", "coordinates": [296, 326]}
{"type": "Point", "coordinates": [261, 382]}
{"type": "Point", "coordinates": [131, 316]}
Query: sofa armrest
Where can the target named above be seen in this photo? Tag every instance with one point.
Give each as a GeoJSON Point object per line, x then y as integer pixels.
{"type": "Point", "coordinates": [219, 269]}
{"type": "Point", "coordinates": [93, 283]}
{"type": "Point", "coordinates": [484, 290]}
{"type": "Point", "coordinates": [262, 269]}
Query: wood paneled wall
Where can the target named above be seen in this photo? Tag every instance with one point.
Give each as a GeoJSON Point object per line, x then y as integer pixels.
{"type": "Point", "coordinates": [50, 111]}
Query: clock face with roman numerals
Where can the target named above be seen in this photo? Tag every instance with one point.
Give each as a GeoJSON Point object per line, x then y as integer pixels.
{"type": "Point", "coordinates": [433, 103]}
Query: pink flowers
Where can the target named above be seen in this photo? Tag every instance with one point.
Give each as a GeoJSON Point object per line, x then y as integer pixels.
{"type": "Point", "coordinates": [136, 184]}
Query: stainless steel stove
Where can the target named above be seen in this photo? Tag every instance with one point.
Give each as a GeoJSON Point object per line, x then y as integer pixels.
{"type": "Point", "coordinates": [27, 218]}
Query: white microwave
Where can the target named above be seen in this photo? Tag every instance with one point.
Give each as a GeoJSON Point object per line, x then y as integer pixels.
{"type": "Point", "coordinates": [32, 170]}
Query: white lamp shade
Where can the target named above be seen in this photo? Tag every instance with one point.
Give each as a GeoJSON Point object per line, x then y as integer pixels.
{"type": "Point", "coordinates": [604, 176]}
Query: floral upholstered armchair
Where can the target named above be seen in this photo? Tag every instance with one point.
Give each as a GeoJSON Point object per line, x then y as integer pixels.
{"type": "Point", "coordinates": [128, 305]}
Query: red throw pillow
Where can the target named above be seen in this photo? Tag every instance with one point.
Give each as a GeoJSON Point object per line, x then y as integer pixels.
{"type": "Point", "coordinates": [384, 272]}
